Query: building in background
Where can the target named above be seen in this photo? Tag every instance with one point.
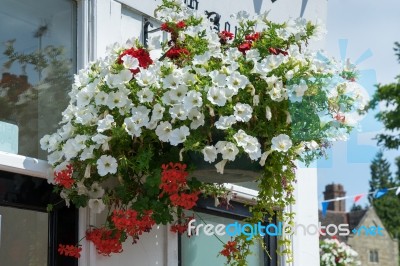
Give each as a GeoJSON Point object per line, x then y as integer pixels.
{"type": "Point", "coordinates": [372, 249]}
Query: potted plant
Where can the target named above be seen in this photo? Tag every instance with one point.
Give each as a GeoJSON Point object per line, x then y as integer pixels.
{"type": "Point", "coordinates": [134, 120]}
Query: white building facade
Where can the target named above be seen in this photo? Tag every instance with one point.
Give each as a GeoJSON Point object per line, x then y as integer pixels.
{"type": "Point", "coordinates": [33, 93]}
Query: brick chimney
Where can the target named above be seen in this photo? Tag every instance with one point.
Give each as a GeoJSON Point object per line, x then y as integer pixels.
{"type": "Point", "coordinates": [333, 191]}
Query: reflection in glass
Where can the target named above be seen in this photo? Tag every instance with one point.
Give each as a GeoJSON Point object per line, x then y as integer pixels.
{"type": "Point", "coordinates": [37, 59]}
{"type": "Point", "coordinates": [203, 250]}
{"type": "Point", "coordinates": [24, 236]}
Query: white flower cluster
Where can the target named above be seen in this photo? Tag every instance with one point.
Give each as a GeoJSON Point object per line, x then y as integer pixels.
{"type": "Point", "coordinates": [335, 253]}
{"type": "Point", "coordinates": [169, 102]}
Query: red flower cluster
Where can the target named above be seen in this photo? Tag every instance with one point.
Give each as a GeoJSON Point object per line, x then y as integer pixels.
{"type": "Point", "coordinates": [173, 27]}
{"type": "Point", "coordinates": [105, 240]}
{"type": "Point", "coordinates": [173, 183]}
{"type": "Point", "coordinates": [185, 200]}
{"type": "Point", "coordinates": [246, 45]}
{"type": "Point", "coordinates": [252, 37]}
{"type": "Point", "coordinates": [225, 36]}
{"type": "Point", "coordinates": [277, 51]}
{"type": "Point", "coordinates": [229, 249]}
{"type": "Point", "coordinates": [141, 54]}
{"type": "Point", "coordinates": [70, 250]}
{"type": "Point", "coordinates": [176, 52]}
{"type": "Point", "coordinates": [131, 222]}
{"type": "Point", "coordinates": [181, 225]}
{"type": "Point", "coordinates": [64, 177]}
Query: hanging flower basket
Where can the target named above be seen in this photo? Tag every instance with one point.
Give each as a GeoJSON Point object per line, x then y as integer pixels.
{"type": "Point", "coordinates": [212, 99]}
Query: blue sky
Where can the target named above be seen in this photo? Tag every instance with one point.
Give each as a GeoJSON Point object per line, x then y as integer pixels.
{"type": "Point", "coordinates": [365, 32]}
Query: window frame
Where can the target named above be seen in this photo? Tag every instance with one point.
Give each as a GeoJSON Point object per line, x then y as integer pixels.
{"type": "Point", "coordinates": [59, 230]}
{"type": "Point", "coordinates": [373, 256]}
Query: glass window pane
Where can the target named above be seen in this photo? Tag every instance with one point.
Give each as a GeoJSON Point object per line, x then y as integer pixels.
{"type": "Point", "coordinates": [203, 250]}
{"type": "Point", "coordinates": [37, 59]}
{"type": "Point", "coordinates": [24, 236]}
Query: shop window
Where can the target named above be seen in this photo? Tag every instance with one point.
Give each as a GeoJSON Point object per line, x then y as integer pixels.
{"type": "Point", "coordinates": [29, 235]}
{"type": "Point", "coordinates": [200, 250]}
{"type": "Point", "coordinates": [37, 60]}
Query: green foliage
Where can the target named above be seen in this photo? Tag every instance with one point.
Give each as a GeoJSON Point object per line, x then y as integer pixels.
{"type": "Point", "coordinates": [389, 95]}
{"type": "Point", "coordinates": [388, 206]}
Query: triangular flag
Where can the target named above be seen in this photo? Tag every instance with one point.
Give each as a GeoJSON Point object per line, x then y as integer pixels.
{"type": "Point", "coordinates": [398, 191]}
{"type": "Point", "coordinates": [380, 192]}
{"type": "Point", "coordinates": [324, 208]}
{"type": "Point", "coordinates": [358, 197]}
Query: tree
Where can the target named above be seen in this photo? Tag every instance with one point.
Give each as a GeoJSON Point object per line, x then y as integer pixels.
{"type": "Point", "coordinates": [388, 206]}
{"type": "Point", "coordinates": [389, 95]}
{"type": "Point", "coordinates": [380, 174]}
{"type": "Point", "coordinates": [356, 207]}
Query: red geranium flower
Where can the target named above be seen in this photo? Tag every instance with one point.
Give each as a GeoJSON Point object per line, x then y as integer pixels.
{"type": "Point", "coordinates": [141, 54]}
{"type": "Point", "coordinates": [64, 177]}
{"type": "Point", "coordinates": [69, 250]}
{"type": "Point", "coordinates": [105, 240]}
{"type": "Point", "coordinates": [245, 47]}
{"type": "Point", "coordinates": [176, 52]}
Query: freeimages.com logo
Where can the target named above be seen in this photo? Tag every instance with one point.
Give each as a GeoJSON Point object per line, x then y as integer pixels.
{"type": "Point", "coordinates": [260, 229]}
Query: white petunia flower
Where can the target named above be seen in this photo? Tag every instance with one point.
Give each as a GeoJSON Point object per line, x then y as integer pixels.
{"type": "Point", "coordinates": [130, 62]}
{"type": "Point", "coordinates": [201, 59]}
{"type": "Point", "coordinates": [192, 99]}
{"type": "Point", "coordinates": [210, 153]}
{"type": "Point", "coordinates": [145, 95]}
{"type": "Point", "coordinates": [264, 157]}
{"type": "Point", "coordinates": [218, 79]}
{"type": "Point", "coordinates": [243, 112]}
{"type": "Point", "coordinates": [101, 98]}
{"type": "Point", "coordinates": [83, 97]}
{"type": "Point", "coordinates": [237, 81]}
{"type": "Point", "coordinates": [241, 138]}
{"type": "Point", "coordinates": [146, 77]}
{"type": "Point", "coordinates": [281, 143]}
{"type": "Point", "coordinates": [178, 93]}
{"type": "Point", "coordinates": [268, 113]}
{"type": "Point", "coordinates": [96, 205]}
{"type": "Point", "coordinates": [197, 118]}
{"type": "Point", "coordinates": [227, 149]}
{"type": "Point", "coordinates": [158, 112]}
{"type": "Point", "coordinates": [105, 124]}
{"type": "Point", "coordinates": [163, 131]}
{"type": "Point", "coordinates": [96, 191]}
{"type": "Point", "coordinates": [221, 166]}
{"type": "Point", "coordinates": [179, 135]}
{"type": "Point", "coordinates": [216, 96]}
{"type": "Point", "coordinates": [178, 111]}
{"type": "Point", "coordinates": [106, 164]}
{"type": "Point", "coordinates": [225, 122]}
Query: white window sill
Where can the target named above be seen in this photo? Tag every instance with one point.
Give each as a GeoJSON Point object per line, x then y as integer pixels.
{"type": "Point", "coordinates": [24, 165]}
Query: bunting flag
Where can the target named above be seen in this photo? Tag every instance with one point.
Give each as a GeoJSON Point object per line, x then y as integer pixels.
{"type": "Point", "coordinates": [358, 197]}
{"type": "Point", "coordinates": [324, 208]}
{"type": "Point", "coordinates": [376, 195]}
{"type": "Point", "coordinates": [380, 192]}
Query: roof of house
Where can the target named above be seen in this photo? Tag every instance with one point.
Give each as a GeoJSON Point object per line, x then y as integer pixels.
{"type": "Point", "coordinates": [353, 219]}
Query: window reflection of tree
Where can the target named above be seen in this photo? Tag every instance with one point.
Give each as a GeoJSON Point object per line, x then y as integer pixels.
{"type": "Point", "coordinates": [34, 108]}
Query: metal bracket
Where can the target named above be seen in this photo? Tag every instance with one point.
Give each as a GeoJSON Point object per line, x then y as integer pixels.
{"type": "Point", "coordinates": [146, 31]}
{"type": "Point", "coordinates": [214, 17]}
{"type": "Point", "coordinates": [190, 4]}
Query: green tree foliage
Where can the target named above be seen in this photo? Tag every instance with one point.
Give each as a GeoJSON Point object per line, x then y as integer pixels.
{"type": "Point", "coordinates": [389, 95]}
{"type": "Point", "coordinates": [388, 206]}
